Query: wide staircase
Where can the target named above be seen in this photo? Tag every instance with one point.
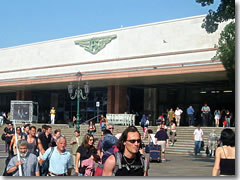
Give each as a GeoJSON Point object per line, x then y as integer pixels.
{"type": "Point", "coordinates": [184, 144]}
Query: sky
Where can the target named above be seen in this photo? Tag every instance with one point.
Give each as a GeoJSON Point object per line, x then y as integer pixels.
{"type": "Point", "coordinates": [29, 21]}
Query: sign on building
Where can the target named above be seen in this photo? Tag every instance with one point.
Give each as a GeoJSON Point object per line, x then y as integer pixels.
{"type": "Point", "coordinates": [26, 111]}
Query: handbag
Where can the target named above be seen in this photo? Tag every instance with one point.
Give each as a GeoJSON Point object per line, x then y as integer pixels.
{"type": "Point", "coordinates": [202, 146]}
{"type": "Point", "coordinates": [171, 133]}
{"type": "Point", "coordinates": [3, 137]}
{"type": "Point", "coordinates": [207, 150]}
{"type": "Point", "coordinates": [45, 165]}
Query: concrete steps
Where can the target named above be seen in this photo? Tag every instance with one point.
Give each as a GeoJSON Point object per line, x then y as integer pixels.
{"type": "Point", "coordinates": [184, 144]}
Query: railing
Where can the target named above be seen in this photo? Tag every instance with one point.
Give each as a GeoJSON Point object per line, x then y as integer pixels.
{"type": "Point", "coordinates": [121, 119]}
{"type": "Point", "coordinates": [85, 122]}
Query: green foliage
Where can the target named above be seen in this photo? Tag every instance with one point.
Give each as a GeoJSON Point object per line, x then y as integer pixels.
{"type": "Point", "coordinates": [226, 43]}
{"type": "Point", "coordinates": [226, 50]}
{"type": "Point", "coordinates": [225, 11]}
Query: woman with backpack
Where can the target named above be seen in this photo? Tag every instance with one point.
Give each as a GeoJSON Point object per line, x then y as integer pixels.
{"type": "Point", "coordinates": [86, 156]}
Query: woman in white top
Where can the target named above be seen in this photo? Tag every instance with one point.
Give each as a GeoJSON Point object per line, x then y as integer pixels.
{"type": "Point", "coordinates": [151, 138]}
{"type": "Point", "coordinates": [172, 132]}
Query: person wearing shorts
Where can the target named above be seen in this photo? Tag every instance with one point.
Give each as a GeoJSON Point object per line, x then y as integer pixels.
{"type": "Point", "coordinates": [162, 140]}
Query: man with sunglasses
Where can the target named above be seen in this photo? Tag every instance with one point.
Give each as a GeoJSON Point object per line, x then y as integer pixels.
{"type": "Point", "coordinates": [131, 161]}
{"type": "Point", "coordinates": [110, 127]}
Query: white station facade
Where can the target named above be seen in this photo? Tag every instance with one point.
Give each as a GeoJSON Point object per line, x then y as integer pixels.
{"type": "Point", "coordinates": [146, 69]}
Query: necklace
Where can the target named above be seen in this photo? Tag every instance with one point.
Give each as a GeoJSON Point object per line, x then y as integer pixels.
{"type": "Point", "coordinates": [127, 161]}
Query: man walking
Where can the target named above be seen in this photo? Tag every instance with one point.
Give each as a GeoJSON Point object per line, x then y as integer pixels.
{"type": "Point", "coordinates": [190, 112]}
{"type": "Point", "coordinates": [161, 138]}
{"type": "Point", "coordinates": [60, 163]}
{"type": "Point", "coordinates": [198, 138]}
{"type": "Point", "coordinates": [178, 113]}
{"type": "Point", "coordinates": [132, 162]}
{"type": "Point", "coordinates": [28, 161]}
{"type": "Point", "coordinates": [110, 127]}
{"type": "Point", "coordinates": [205, 114]}
{"type": "Point", "coordinates": [46, 139]}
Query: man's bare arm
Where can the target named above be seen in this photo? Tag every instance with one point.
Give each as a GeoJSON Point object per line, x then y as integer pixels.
{"type": "Point", "coordinates": [109, 166]}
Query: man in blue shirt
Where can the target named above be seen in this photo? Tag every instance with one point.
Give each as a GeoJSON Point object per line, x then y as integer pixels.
{"type": "Point", "coordinates": [28, 161]}
{"type": "Point", "coordinates": [161, 138]}
{"type": "Point", "coordinates": [60, 163]}
{"type": "Point", "coordinates": [190, 112]}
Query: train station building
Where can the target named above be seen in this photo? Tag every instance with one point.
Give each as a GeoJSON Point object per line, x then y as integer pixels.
{"type": "Point", "coordinates": [146, 69]}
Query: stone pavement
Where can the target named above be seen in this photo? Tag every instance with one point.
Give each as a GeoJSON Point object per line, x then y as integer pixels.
{"type": "Point", "coordinates": [178, 165]}
{"type": "Point", "coordinates": [175, 166]}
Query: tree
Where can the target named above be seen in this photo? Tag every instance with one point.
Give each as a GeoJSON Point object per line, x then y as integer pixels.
{"type": "Point", "coordinates": [226, 43]}
{"type": "Point", "coordinates": [226, 50]}
{"type": "Point", "coordinates": [225, 11]}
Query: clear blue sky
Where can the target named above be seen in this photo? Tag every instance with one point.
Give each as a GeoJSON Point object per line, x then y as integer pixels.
{"type": "Point", "coordinates": [29, 21]}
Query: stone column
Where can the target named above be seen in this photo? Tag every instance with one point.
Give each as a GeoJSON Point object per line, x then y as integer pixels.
{"type": "Point", "coordinates": [150, 103]}
{"type": "Point", "coordinates": [110, 100]}
{"type": "Point", "coordinates": [54, 100]}
{"type": "Point", "coordinates": [120, 99]}
{"type": "Point", "coordinates": [24, 95]}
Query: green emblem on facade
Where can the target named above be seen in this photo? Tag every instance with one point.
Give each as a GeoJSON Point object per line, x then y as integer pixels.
{"type": "Point", "coordinates": [94, 45]}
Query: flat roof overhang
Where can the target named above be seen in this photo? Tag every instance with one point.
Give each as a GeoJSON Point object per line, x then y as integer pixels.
{"type": "Point", "coordinates": [177, 73]}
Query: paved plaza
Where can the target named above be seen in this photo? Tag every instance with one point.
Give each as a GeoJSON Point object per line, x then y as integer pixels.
{"type": "Point", "coordinates": [175, 166]}
{"type": "Point", "coordinates": [178, 165]}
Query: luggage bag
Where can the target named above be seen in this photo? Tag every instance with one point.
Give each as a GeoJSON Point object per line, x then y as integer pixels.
{"type": "Point", "coordinates": [155, 153]}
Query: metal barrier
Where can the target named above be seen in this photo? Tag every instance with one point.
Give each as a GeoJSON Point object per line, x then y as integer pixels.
{"type": "Point", "coordinates": [121, 119]}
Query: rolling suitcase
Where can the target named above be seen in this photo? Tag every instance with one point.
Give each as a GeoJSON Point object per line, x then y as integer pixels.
{"type": "Point", "coordinates": [147, 148]}
{"type": "Point", "coordinates": [155, 153]}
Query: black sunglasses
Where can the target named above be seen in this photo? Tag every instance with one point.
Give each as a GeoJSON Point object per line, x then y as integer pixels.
{"type": "Point", "coordinates": [134, 140]}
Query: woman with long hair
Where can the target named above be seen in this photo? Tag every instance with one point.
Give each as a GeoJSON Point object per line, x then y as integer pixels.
{"type": "Point", "coordinates": [91, 128]}
{"type": "Point", "coordinates": [225, 154]}
{"type": "Point", "coordinates": [86, 156]}
{"type": "Point", "coordinates": [13, 144]}
{"type": "Point", "coordinates": [172, 132]}
{"type": "Point", "coordinates": [217, 115]}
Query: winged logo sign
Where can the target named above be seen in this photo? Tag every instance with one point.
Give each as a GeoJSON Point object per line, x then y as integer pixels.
{"type": "Point", "coordinates": [95, 44]}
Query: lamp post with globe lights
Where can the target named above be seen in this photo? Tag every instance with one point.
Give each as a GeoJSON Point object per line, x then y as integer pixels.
{"type": "Point", "coordinates": [78, 93]}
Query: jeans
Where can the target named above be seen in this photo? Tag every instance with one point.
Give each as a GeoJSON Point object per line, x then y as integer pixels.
{"type": "Point", "coordinates": [197, 146]}
{"type": "Point", "coordinates": [228, 122]}
{"type": "Point", "coordinates": [190, 119]}
{"type": "Point", "coordinates": [205, 119]}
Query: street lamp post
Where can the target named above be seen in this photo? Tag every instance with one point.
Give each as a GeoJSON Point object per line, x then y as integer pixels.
{"type": "Point", "coordinates": [79, 94]}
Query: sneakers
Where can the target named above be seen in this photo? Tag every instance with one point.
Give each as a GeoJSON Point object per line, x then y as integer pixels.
{"type": "Point", "coordinates": [163, 160]}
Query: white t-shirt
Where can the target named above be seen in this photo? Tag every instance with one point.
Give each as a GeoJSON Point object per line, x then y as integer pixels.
{"type": "Point", "coordinates": [118, 135]}
{"type": "Point", "coordinates": [152, 137]}
{"type": "Point", "coordinates": [178, 112]}
{"type": "Point", "coordinates": [198, 135]}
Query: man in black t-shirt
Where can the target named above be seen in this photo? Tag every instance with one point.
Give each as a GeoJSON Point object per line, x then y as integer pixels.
{"type": "Point", "coordinates": [133, 163]}
{"type": "Point", "coordinates": [46, 138]}
{"type": "Point", "coordinates": [9, 133]}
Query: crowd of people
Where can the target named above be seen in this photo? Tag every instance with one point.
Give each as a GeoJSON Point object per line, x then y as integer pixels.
{"type": "Point", "coordinates": [121, 154]}
{"type": "Point", "coordinates": [207, 118]}
{"type": "Point", "coordinates": [34, 149]}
